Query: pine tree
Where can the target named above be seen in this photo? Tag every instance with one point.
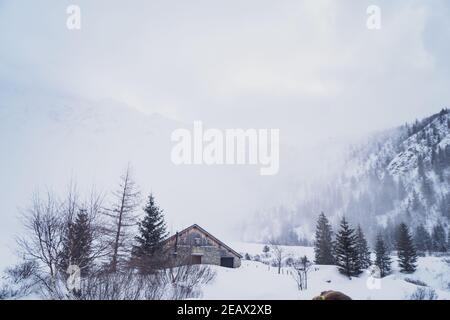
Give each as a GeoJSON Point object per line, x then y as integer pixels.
{"type": "Point", "coordinates": [401, 190]}
{"type": "Point", "coordinates": [448, 239]}
{"type": "Point", "coordinates": [446, 156]}
{"type": "Point", "coordinates": [420, 167]}
{"type": "Point", "coordinates": [422, 239]}
{"type": "Point", "coordinates": [438, 165]}
{"type": "Point", "coordinates": [444, 205]}
{"type": "Point", "coordinates": [406, 251]}
{"type": "Point", "coordinates": [152, 232]}
{"type": "Point", "coordinates": [346, 250]}
{"type": "Point", "coordinates": [362, 249]}
{"type": "Point", "coordinates": [77, 244]}
{"type": "Point", "coordinates": [438, 238]}
{"type": "Point", "coordinates": [389, 235]}
{"type": "Point", "coordinates": [387, 192]}
{"type": "Point", "coordinates": [427, 189]}
{"type": "Point", "coordinates": [433, 158]}
{"type": "Point", "coordinates": [382, 258]}
{"type": "Point", "coordinates": [415, 203]}
{"type": "Point", "coordinates": [323, 245]}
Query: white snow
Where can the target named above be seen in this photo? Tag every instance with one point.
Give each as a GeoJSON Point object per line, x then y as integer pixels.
{"type": "Point", "coordinates": [256, 280]}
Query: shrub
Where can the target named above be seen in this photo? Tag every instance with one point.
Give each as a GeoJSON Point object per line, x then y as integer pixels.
{"type": "Point", "coordinates": [416, 282]}
{"type": "Point", "coordinates": [424, 294]}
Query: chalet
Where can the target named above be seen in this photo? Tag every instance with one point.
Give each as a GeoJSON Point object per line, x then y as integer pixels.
{"type": "Point", "coordinates": [198, 246]}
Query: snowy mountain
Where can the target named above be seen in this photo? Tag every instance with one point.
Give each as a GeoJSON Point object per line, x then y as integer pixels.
{"type": "Point", "coordinates": [402, 176]}
{"type": "Point", "coordinates": [398, 175]}
{"type": "Point", "coordinates": [50, 140]}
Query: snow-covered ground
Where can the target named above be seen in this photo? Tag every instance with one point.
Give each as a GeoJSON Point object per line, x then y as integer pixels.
{"type": "Point", "coordinates": [256, 280]}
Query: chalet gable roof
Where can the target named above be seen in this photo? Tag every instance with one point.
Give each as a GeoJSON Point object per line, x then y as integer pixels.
{"type": "Point", "coordinates": [209, 235]}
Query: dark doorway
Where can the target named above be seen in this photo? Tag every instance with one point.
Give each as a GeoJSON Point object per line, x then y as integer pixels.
{"type": "Point", "coordinates": [227, 262]}
{"type": "Point", "coordinates": [196, 259]}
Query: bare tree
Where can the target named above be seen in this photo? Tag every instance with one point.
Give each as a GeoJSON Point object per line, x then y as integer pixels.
{"type": "Point", "coordinates": [301, 268]}
{"type": "Point", "coordinates": [279, 254]}
{"type": "Point", "coordinates": [127, 285]}
{"type": "Point", "coordinates": [44, 238]}
{"type": "Point", "coordinates": [121, 218]}
{"type": "Point", "coordinates": [177, 279]}
{"type": "Point", "coordinates": [18, 281]}
{"type": "Point", "coordinates": [50, 245]}
{"type": "Point", "coordinates": [45, 246]}
{"type": "Point", "coordinates": [185, 279]}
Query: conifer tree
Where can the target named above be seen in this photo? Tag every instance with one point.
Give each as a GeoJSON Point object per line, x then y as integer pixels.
{"type": "Point", "coordinates": [433, 158]}
{"type": "Point", "coordinates": [323, 245]}
{"type": "Point", "coordinates": [427, 189]}
{"type": "Point", "coordinates": [406, 251]}
{"type": "Point", "coordinates": [389, 235]}
{"type": "Point", "coordinates": [444, 205]}
{"type": "Point", "coordinates": [401, 191]}
{"type": "Point", "coordinates": [438, 165]}
{"type": "Point", "coordinates": [77, 244]}
{"type": "Point", "coordinates": [438, 239]}
{"type": "Point", "coordinates": [420, 167]}
{"type": "Point", "coordinates": [362, 249]}
{"type": "Point", "coordinates": [422, 239]}
{"type": "Point", "coordinates": [415, 203]}
{"type": "Point", "coordinates": [152, 232]}
{"type": "Point", "coordinates": [448, 239]}
{"type": "Point", "coordinates": [382, 258]}
{"type": "Point", "coordinates": [346, 251]}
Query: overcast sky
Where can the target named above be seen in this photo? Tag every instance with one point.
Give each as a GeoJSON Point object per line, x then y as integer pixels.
{"type": "Point", "coordinates": [307, 67]}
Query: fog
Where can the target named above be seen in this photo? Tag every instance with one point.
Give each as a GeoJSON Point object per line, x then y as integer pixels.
{"type": "Point", "coordinates": [311, 69]}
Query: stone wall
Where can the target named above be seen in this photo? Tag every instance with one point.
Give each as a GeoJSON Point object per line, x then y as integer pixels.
{"type": "Point", "coordinates": [197, 243]}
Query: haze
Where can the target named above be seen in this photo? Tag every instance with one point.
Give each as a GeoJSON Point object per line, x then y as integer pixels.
{"type": "Point", "coordinates": [309, 68]}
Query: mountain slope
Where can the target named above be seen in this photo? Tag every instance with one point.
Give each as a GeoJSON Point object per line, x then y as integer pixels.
{"type": "Point", "coordinates": [50, 140]}
{"type": "Point", "coordinates": [406, 175]}
{"type": "Point", "coordinates": [401, 174]}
